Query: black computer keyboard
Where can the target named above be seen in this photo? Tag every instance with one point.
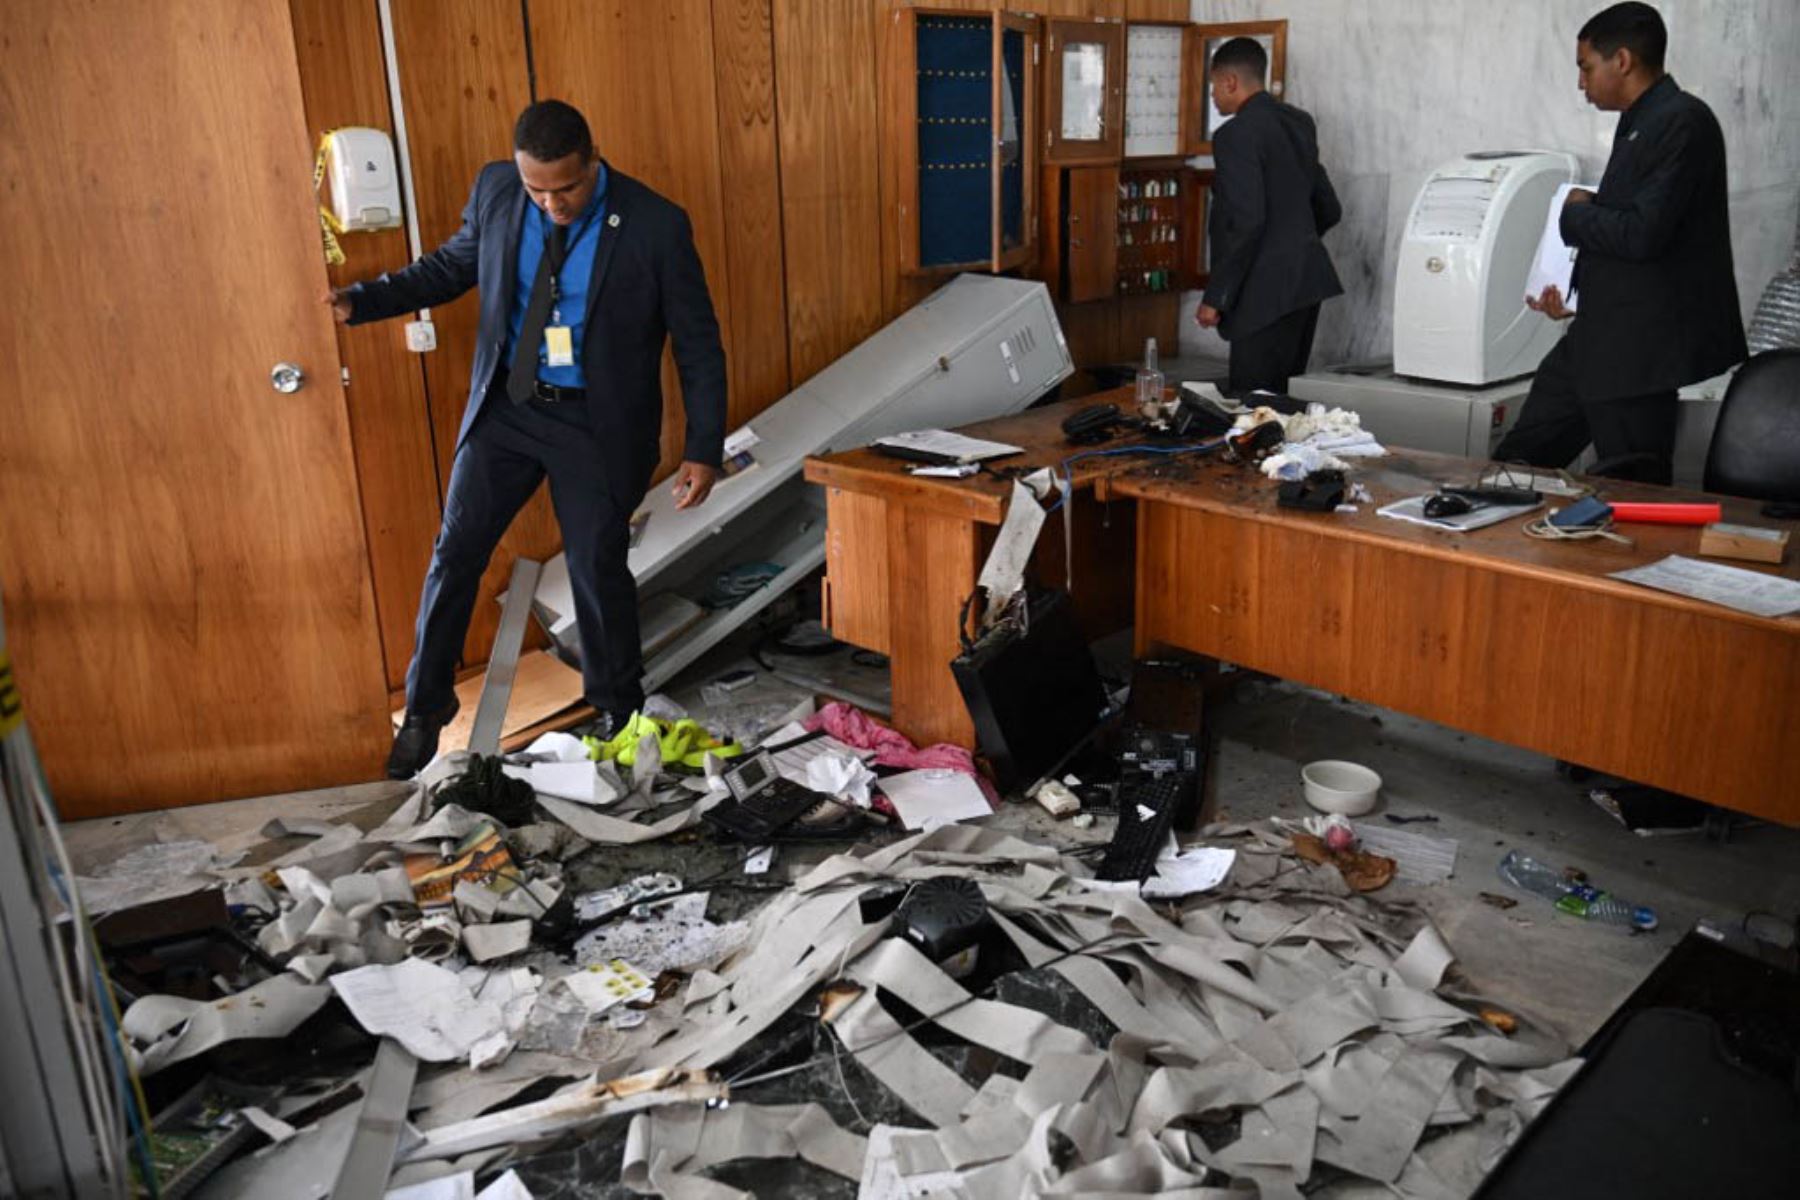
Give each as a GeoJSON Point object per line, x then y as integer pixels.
{"type": "Point", "coordinates": [1146, 812]}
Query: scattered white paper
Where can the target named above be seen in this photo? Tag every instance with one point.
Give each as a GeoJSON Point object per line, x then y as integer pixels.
{"type": "Point", "coordinates": [952, 447]}
{"type": "Point", "coordinates": [159, 871]}
{"type": "Point", "coordinates": [171, 1029]}
{"type": "Point", "coordinates": [488, 942]}
{"type": "Point", "coordinates": [759, 860]}
{"type": "Point", "coordinates": [1734, 587]}
{"type": "Point", "coordinates": [577, 781]}
{"type": "Point", "coordinates": [460, 1186]}
{"type": "Point", "coordinates": [675, 936]}
{"type": "Point", "coordinates": [273, 1128]}
{"type": "Point", "coordinates": [792, 755]}
{"type": "Point", "coordinates": [601, 986]}
{"type": "Point", "coordinates": [1413, 509]}
{"type": "Point", "coordinates": [840, 775]}
{"type": "Point", "coordinates": [1197, 870]}
{"type": "Point", "coordinates": [421, 1005]}
{"type": "Point", "coordinates": [558, 747]}
{"type": "Point", "coordinates": [881, 1177]}
{"type": "Point", "coordinates": [509, 1186]}
{"type": "Point", "coordinates": [1003, 574]}
{"type": "Point", "coordinates": [934, 794]}
{"type": "Point", "coordinates": [1554, 263]}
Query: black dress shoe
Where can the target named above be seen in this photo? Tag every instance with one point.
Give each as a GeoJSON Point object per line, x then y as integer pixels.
{"type": "Point", "coordinates": [417, 742]}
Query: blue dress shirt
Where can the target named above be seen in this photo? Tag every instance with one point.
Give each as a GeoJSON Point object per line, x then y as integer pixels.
{"type": "Point", "coordinates": [577, 273]}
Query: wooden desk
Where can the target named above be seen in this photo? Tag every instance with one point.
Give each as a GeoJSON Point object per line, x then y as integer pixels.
{"type": "Point", "coordinates": [1492, 632]}
{"type": "Point", "coordinates": [902, 553]}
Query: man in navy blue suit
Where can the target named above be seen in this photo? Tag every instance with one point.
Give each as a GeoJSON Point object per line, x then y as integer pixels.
{"type": "Point", "coordinates": [583, 274]}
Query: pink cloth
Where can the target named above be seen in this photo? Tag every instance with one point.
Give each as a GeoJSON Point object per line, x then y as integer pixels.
{"type": "Point", "coordinates": [855, 727]}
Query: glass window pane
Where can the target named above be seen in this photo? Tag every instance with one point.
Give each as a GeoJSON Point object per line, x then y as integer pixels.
{"type": "Point", "coordinates": [1083, 91]}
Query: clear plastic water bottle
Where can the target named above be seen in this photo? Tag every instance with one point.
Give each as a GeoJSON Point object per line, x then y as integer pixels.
{"type": "Point", "coordinates": [1149, 384]}
{"type": "Point", "coordinates": [1576, 899]}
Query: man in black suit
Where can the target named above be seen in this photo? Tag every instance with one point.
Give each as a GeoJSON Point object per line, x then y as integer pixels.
{"type": "Point", "coordinates": [583, 273]}
{"type": "Point", "coordinates": [1271, 201]}
{"type": "Point", "coordinates": [1653, 280]}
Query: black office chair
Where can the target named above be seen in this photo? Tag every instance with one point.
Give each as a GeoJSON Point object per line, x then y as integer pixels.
{"type": "Point", "coordinates": [1755, 449]}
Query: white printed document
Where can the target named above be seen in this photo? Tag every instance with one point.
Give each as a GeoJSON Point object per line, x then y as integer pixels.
{"type": "Point", "coordinates": [1554, 263]}
{"type": "Point", "coordinates": [1735, 587]}
{"type": "Point", "coordinates": [939, 445]}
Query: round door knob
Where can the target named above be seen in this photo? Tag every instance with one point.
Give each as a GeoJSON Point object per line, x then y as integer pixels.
{"type": "Point", "coordinates": [286, 378]}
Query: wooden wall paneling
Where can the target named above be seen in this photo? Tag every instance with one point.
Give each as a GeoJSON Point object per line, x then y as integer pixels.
{"type": "Point", "coordinates": [1155, 316]}
{"type": "Point", "coordinates": [831, 199]}
{"type": "Point", "coordinates": [749, 159]}
{"type": "Point", "coordinates": [344, 82]}
{"type": "Point", "coordinates": [186, 580]}
{"type": "Point", "coordinates": [643, 75]}
{"type": "Point", "coordinates": [1092, 331]}
{"type": "Point", "coordinates": [464, 80]}
{"type": "Point", "coordinates": [1156, 10]}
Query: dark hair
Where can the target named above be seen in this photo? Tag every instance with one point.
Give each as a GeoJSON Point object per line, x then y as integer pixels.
{"type": "Point", "coordinates": [550, 129]}
{"type": "Point", "coordinates": [1637, 27]}
{"type": "Point", "coordinates": [1243, 57]}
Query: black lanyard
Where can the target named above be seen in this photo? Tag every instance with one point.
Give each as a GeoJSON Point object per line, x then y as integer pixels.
{"type": "Point", "coordinates": [558, 254]}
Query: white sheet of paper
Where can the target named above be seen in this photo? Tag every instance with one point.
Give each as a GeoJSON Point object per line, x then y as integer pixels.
{"type": "Point", "coordinates": [497, 940]}
{"type": "Point", "coordinates": [1554, 262]}
{"type": "Point", "coordinates": [1412, 509]}
{"type": "Point", "coordinates": [460, 1186]}
{"type": "Point", "coordinates": [565, 747]}
{"type": "Point", "coordinates": [952, 446]}
{"type": "Point", "coordinates": [577, 781]}
{"type": "Point", "coordinates": [1199, 869]}
{"type": "Point", "coordinates": [792, 758]}
{"type": "Point", "coordinates": [1748, 591]}
{"type": "Point", "coordinates": [509, 1186]}
{"type": "Point", "coordinates": [421, 1005]}
{"type": "Point", "coordinates": [173, 1028]}
{"type": "Point", "coordinates": [935, 795]}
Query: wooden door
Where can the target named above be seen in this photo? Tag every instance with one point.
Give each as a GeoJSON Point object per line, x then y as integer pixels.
{"type": "Point", "coordinates": [1093, 232]}
{"type": "Point", "coordinates": [186, 582]}
{"type": "Point", "coordinates": [1084, 92]}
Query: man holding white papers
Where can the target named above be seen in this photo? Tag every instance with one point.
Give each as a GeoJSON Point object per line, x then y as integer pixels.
{"type": "Point", "coordinates": [1658, 300]}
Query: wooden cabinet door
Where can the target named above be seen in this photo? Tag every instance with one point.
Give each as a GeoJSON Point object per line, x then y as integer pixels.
{"type": "Point", "coordinates": [187, 596]}
{"type": "Point", "coordinates": [1093, 233]}
{"type": "Point", "coordinates": [1196, 206]}
{"type": "Point", "coordinates": [1084, 92]}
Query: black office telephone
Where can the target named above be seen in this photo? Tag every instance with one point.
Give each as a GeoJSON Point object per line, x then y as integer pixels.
{"type": "Point", "coordinates": [1092, 425]}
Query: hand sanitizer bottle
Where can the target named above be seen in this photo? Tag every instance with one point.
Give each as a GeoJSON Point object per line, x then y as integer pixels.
{"type": "Point", "coordinates": [1150, 384]}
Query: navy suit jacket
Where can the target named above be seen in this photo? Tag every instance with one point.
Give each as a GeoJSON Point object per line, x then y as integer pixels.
{"type": "Point", "coordinates": [1271, 201]}
{"type": "Point", "coordinates": [648, 284]}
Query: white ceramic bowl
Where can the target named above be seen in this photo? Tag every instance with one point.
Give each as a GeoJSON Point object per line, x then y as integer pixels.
{"type": "Point", "coordinates": [1340, 787]}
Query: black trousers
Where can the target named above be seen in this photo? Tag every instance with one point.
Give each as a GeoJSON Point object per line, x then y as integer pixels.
{"type": "Point", "coordinates": [1267, 358]}
{"type": "Point", "coordinates": [506, 455]}
{"type": "Point", "coordinates": [1633, 437]}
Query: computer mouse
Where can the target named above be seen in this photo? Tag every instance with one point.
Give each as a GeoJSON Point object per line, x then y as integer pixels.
{"type": "Point", "coordinates": [1445, 505]}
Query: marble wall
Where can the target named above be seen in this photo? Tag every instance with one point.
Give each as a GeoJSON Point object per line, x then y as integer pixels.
{"type": "Point", "coordinates": [1400, 86]}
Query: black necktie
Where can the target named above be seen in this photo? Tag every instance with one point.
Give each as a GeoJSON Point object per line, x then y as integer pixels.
{"type": "Point", "coordinates": [521, 380]}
